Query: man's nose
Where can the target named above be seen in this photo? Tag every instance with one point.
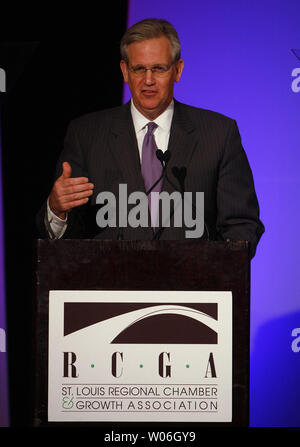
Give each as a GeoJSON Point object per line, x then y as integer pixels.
{"type": "Point", "coordinates": [149, 78]}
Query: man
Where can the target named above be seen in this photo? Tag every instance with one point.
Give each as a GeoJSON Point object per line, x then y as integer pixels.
{"type": "Point", "coordinates": [112, 147]}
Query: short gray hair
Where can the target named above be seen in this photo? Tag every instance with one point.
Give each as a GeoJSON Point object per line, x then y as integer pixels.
{"type": "Point", "coordinates": [149, 29]}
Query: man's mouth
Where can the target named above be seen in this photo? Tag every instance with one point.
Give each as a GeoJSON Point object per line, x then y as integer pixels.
{"type": "Point", "coordinates": [147, 92]}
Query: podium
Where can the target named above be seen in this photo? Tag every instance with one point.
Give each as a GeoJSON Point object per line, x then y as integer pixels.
{"type": "Point", "coordinates": [156, 268]}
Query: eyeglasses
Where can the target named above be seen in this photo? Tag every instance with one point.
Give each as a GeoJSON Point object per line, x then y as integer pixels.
{"type": "Point", "coordinates": [156, 70]}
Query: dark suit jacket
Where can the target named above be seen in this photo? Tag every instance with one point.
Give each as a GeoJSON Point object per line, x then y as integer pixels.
{"type": "Point", "coordinates": [103, 147]}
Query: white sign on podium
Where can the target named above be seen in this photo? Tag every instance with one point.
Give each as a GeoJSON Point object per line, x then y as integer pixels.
{"type": "Point", "coordinates": [140, 356]}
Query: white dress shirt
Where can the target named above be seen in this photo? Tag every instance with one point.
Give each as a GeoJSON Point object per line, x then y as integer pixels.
{"type": "Point", "coordinates": [161, 134]}
{"type": "Point", "coordinates": [55, 226]}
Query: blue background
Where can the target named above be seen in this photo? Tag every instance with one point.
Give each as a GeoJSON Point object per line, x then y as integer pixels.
{"type": "Point", "coordinates": [239, 61]}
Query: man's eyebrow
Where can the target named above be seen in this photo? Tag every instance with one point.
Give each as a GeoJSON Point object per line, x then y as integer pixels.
{"type": "Point", "coordinates": [152, 65]}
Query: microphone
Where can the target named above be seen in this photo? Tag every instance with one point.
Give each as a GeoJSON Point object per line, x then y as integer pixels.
{"type": "Point", "coordinates": [160, 155]}
{"type": "Point", "coordinates": [163, 157]}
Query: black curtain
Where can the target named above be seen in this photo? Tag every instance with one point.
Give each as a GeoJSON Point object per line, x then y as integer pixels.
{"type": "Point", "coordinates": [49, 82]}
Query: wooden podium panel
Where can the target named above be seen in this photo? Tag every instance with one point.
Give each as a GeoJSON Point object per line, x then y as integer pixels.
{"type": "Point", "coordinates": [145, 265]}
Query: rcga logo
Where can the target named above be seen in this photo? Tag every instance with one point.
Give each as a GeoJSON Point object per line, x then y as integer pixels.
{"type": "Point", "coordinates": [296, 74]}
{"type": "Point", "coordinates": [133, 323]}
{"type": "Point", "coordinates": [140, 356]}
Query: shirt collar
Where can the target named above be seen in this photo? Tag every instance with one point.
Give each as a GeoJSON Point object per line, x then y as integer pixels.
{"type": "Point", "coordinates": [164, 120]}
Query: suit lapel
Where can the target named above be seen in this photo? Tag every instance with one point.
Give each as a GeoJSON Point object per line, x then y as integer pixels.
{"type": "Point", "coordinates": [124, 147]}
{"type": "Point", "coordinates": [123, 144]}
{"type": "Point", "coordinates": [182, 143]}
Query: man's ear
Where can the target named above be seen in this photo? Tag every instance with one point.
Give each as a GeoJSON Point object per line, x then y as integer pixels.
{"type": "Point", "coordinates": [124, 70]}
{"type": "Point", "coordinates": [179, 67]}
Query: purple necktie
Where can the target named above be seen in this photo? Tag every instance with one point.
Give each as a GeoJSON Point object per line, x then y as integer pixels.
{"type": "Point", "coordinates": [151, 169]}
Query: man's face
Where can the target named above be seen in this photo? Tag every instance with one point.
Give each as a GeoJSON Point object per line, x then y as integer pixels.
{"type": "Point", "coordinates": [151, 94]}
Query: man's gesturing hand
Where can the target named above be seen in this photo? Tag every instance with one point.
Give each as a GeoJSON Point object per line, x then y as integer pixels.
{"type": "Point", "coordinates": [67, 192]}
